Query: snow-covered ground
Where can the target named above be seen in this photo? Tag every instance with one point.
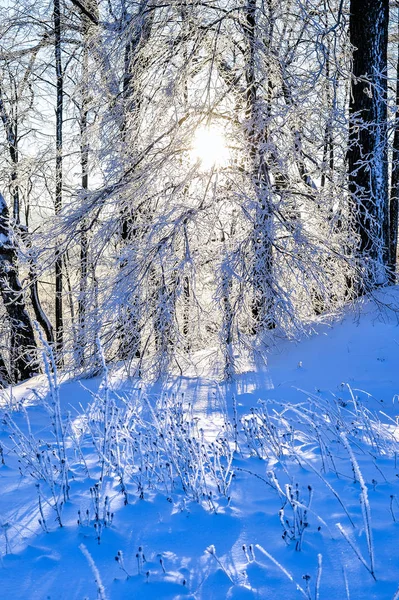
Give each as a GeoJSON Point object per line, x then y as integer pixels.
{"type": "Point", "coordinates": [282, 484]}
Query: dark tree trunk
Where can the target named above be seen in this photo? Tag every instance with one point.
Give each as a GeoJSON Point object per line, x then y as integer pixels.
{"type": "Point", "coordinates": [84, 255]}
{"type": "Point", "coordinates": [394, 199]}
{"type": "Point", "coordinates": [367, 152]}
{"type": "Point", "coordinates": [40, 314]}
{"type": "Point", "coordinates": [59, 340]}
{"type": "Point", "coordinates": [186, 28]}
{"type": "Point", "coordinates": [23, 357]}
{"type": "Point", "coordinates": [186, 312]}
{"type": "Point", "coordinates": [5, 378]}
{"type": "Point", "coordinates": [227, 336]}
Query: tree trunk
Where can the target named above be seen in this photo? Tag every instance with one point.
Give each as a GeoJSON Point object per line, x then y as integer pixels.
{"type": "Point", "coordinates": [186, 312]}
{"type": "Point", "coordinates": [394, 199]}
{"type": "Point", "coordinates": [90, 21]}
{"type": "Point", "coordinates": [328, 143]}
{"type": "Point", "coordinates": [23, 358]}
{"type": "Point", "coordinates": [5, 378]}
{"type": "Point", "coordinates": [84, 161]}
{"type": "Point", "coordinates": [367, 152]}
{"type": "Point", "coordinates": [263, 303]}
{"type": "Point", "coordinates": [59, 340]}
{"type": "Point", "coordinates": [40, 314]}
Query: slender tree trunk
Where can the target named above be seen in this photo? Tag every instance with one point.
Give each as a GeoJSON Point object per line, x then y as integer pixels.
{"type": "Point", "coordinates": [227, 337]}
{"type": "Point", "coordinates": [227, 326]}
{"type": "Point", "coordinates": [164, 314]}
{"type": "Point", "coordinates": [14, 155]}
{"type": "Point", "coordinates": [84, 161]}
{"type": "Point", "coordinates": [367, 152]}
{"type": "Point", "coordinates": [186, 312]}
{"type": "Point", "coordinates": [90, 21]}
{"type": "Point", "coordinates": [185, 31]}
{"type": "Point", "coordinates": [328, 144]}
{"type": "Point", "coordinates": [59, 340]}
{"type": "Point", "coordinates": [40, 314]}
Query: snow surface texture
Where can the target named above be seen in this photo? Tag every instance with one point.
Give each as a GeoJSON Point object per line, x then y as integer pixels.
{"type": "Point", "coordinates": [282, 484]}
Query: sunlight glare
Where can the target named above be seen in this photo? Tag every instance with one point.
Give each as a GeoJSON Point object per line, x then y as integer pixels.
{"type": "Point", "coordinates": [209, 148]}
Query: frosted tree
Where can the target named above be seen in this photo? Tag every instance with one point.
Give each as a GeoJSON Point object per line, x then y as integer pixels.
{"type": "Point", "coordinates": [199, 169]}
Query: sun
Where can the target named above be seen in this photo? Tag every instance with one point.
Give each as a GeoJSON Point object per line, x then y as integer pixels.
{"type": "Point", "coordinates": [209, 148]}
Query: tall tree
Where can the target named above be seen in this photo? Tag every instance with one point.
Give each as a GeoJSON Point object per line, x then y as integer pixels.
{"type": "Point", "coordinates": [368, 144]}
{"type": "Point", "coordinates": [89, 14]}
{"type": "Point", "coordinates": [257, 137]}
{"type": "Point", "coordinates": [58, 174]}
{"type": "Point", "coordinates": [394, 197]}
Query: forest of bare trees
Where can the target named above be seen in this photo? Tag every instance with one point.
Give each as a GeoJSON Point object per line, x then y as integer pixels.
{"type": "Point", "coordinates": [184, 176]}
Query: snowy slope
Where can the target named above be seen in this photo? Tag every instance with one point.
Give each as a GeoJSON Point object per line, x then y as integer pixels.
{"type": "Point", "coordinates": [282, 484]}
